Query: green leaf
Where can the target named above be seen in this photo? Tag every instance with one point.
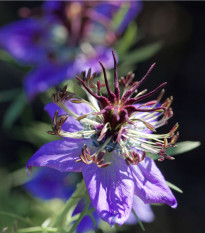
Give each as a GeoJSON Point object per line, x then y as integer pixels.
{"type": "Point", "coordinates": [74, 87]}
{"type": "Point", "coordinates": [119, 16]}
{"type": "Point", "coordinates": [36, 134]}
{"type": "Point", "coordinates": [174, 187]}
{"type": "Point", "coordinates": [14, 110]}
{"type": "Point", "coordinates": [26, 220]}
{"type": "Point", "coordinates": [37, 229]}
{"type": "Point", "coordinates": [183, 147]}
{"type": "Point", "coordinates": [180, 148]}
{"type": "Point", "coordinates": [18, 177]}
{"type": "Point", "coordinates": [9, 94]}
{"type": "Point", "coordinates": [6, 57]}
{"type": "Point", "coordinates": [127, 40]}
{"type": "Point", "coordinates": [141, 54]}
{"type": "Point", "coordinates": [72, 202]}
{"type": "Point", "coordinates": [153, 156]}
{"type": "Point", "coordinates": [138, 220]}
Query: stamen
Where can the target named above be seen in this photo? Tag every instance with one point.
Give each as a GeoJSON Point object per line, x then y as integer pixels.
{"type": "Point", "coordinates": [117, 90]}
{"type": "Point", "coordinates": [103, 101]}
{"type": "Point", "coordinates": [58, 121]}
{"type": "Point", "coordinates": [96, 158]}
{"type": "Point", "coordinates": [132, 90]}
{"type": "Point", "coordinates": [135, 100]}
{"type": "Point", "coordinates": [104, 131]}
{"type": "Point", "coordinates": [117, 125]}
{"type": "Point", "coordinates": [111, 95]}
{"type": "Point", "coordinates": [77, 135]}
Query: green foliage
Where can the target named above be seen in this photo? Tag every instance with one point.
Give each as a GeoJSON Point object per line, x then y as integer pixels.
{"type": "Point", "coordinates": [9, 95]}
{"type": "Point", "coordinates": [117, 19]}
{"type": "Point", "coordinates": [138, 220]}
{"type": "Point", "coordinates": [14, 110]}
{"type": "Point", "coordinates": [129, 38]}
{"type": "Point", "coordinates": [6, 57]}
{"type": "Point", "coordinates": [36, 133]}
{"type": "Point", "coordinates": [174, 187]}
{"type": "Point", "coordinates": [129, 60]}
{"type": "Point", "coordinates": [180, 148]}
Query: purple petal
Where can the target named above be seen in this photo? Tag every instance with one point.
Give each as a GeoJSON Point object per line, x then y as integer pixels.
{"type": "Point", "coordinates": [47, 183]}
{"type": "Point", "coordinates": [22, 40]}
{"type": "Point", "coordinates": [48, 75]}
{"type": "Point", "coordinates": [79, 109]}
{"type": "Point", "coordinates": [150, 185]}
{"type": "Point", "coordinates": [51, 6]}
{"type": "Point", "coordinates": [86, 224]}
{"type": "Point", "coordinates": [102, 54]}
{"type": "Point", "coordinates": [143, 211]}
{"type": "Point", "coordinates": [60, 155]}
{"type": "Point", "coordinates": [110, 9]}
{"type": "Point", "coordinates": [111, 189]}
{"type": "Point", "coordinates": [71, 125]}
{"type": "Point", "coordinates": [134, 9]}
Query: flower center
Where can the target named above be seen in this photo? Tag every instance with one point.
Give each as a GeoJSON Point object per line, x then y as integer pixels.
{"type": "Point", "coordinates": [118, 122]}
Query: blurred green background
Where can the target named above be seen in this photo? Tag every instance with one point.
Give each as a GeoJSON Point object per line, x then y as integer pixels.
{"type": "Point", "coordinates": [181, 27]}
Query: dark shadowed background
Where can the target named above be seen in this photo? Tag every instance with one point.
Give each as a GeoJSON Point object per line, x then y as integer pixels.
{"type": "Point", "coordinates": [181, 62]}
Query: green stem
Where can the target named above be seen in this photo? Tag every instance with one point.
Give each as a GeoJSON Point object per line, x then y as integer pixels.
{"type": "Point", "coordinates": [83, 213]}
{"type": "Point", "coordinates": [37, 229]}
{"type": "Point", "coordinates": [138, 220]}
{"type": "Point", "coordinates": [72, 201]}
{"type": "Point", "coordinates": [17, 217]}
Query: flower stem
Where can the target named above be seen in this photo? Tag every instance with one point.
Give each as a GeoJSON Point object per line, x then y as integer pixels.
{"type": "Point", "coordinates": [72, 201]}
{"type": "Point", "coordinates": [83, 213]}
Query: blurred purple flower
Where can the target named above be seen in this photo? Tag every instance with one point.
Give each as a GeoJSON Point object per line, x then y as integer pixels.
{"type": "Point", "coordinates": [107, 139]}
{"type": "Point", "coordinates": [62, 37]}
{"type": "Point", "coordinates": [47, 184]}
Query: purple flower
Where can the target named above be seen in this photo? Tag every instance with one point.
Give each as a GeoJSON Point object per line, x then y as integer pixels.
{"type": "Point", "coordinates": [47, 183]}
{"type": "Point", "coordinates": [61, 34]}
{"type": "Point", "coordinates": [108, 140]}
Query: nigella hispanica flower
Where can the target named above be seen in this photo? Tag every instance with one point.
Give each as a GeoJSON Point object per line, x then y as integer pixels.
{"type": "Point", "coordinates": [62, 36]}
{"type": "Point", "coordinates": [47, 183]}
{"type": "Point", "coordinates": [107, 138]}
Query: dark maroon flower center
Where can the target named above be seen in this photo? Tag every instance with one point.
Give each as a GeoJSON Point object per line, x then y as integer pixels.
{"type": "Point", "coordinates": [116, 110]}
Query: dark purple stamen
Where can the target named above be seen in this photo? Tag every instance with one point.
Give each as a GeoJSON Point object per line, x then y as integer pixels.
{"type": "Point", "coordinates": [117, 90]}
{"type": "Point", "coordinates": [103, 101]}
{"type": "Point", "coordinates": [111, 95]}
{"type": "Point", "coordinates": [135, 100]}
{"type": "Point", "coordinates": [116, 112]}
{"type": "Point", "coordinates": [134, 88]}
